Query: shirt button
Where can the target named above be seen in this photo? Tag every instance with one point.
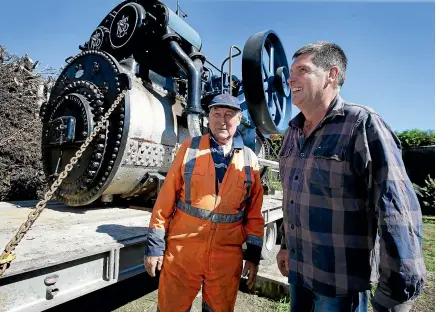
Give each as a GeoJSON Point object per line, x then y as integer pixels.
{"type": "Point", "coordinates": [292, 226]}
{"type": "Point", "coordinates": [296, 177]}
{"type": "Point", "coordinates": [293, 251]}
{"type": "Point", "coordinates": [302, 154]}
{"type": "Point", "coordinates": [292, 201]}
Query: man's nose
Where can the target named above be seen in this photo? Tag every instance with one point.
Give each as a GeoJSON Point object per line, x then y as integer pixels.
{"type": "Point", "coordinates": [291, 80]}
{"type": "Point", "coordinates": [221, 119]}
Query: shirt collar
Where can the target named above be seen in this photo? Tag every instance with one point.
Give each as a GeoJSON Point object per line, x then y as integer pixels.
{"type": "Point", "coordinates": [238, 142]}
{"type": "Point", "coordinates": [336, 108]}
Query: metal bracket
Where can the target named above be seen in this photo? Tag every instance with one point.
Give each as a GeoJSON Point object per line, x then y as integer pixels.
{"type": "Point", "coordinates": [160, 179]}
{"type": "Point", "coordinates": [62, 130]}
{"type": "Point", "coordinates": [150, 184]}
{"type": "Point", "coordinates": [51, 289]}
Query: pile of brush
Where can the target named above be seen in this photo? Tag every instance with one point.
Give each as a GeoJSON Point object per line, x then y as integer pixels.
{"type": "Point", "coordinates": [22, 90]}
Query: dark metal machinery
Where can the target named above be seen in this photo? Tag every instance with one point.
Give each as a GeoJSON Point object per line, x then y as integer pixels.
{"type": "Point", "coordinates": [145, 46]}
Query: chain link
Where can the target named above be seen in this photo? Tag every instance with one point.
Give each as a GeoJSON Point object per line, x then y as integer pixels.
{"type": "Point", "coordinates": [13, 243]}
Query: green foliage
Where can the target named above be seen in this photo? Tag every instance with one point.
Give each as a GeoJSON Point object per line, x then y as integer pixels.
{"type": "Point", "coordinates": [272, 175]}
{"type": "Point", "coordinates": [427, 193]}
{"type": "Point", "coordinates": [416, 138]}
{"type": "Point", "coordinates": [408, 138]}
{"type": "Point", "coordinates": [276, 140]}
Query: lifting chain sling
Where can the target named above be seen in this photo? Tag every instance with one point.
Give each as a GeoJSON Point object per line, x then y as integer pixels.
{"type": "Point", "coordinates": [7, 256]}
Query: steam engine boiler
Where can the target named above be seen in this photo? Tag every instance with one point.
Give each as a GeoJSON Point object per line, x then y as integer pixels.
{"type": "Point", "coordinates": [145, 48]}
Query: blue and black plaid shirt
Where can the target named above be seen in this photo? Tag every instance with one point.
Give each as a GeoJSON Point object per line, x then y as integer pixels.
{"type": "Point", "coordinates": [341, 185]}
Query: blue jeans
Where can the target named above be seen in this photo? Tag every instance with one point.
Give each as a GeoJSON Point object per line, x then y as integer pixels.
{"type": "Point", "coordinates": [305, 300]}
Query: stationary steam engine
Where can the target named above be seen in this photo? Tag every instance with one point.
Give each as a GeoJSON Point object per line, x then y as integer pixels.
{"type": "Point", "coordinates": [145, 48]}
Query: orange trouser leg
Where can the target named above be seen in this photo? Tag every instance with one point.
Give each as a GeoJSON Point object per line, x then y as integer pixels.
{"type": "Point", "coordinates": [177, 288]}
{"type": "Point", "coordinates": [221, 283]}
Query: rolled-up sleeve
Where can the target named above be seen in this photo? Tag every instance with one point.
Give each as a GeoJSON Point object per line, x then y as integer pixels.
{"type": "Point", "coordinates": [393, 200]}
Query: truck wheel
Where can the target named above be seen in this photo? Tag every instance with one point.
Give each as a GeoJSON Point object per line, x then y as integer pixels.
{"type": "Point", "coordinates": [269, 241]}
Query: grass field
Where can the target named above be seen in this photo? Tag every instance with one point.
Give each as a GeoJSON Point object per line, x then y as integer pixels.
{"type": "Point", "coordinates": [426, 302]}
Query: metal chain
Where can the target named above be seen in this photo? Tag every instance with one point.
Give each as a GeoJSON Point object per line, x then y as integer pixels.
{"type": "Point", "coordinates": [6, 256]}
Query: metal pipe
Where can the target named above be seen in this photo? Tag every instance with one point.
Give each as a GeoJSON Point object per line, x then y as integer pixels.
{"type": "Point", "coordinates": [193, 69]}
{"type": "Point", "coordinates": [213, 65]}
{"type": "Point", "coordinates": [230, 68]}
{"type": "Point", "coordinates": [222, 66]}
{"type": "Point", "coordinates": [268, 163]}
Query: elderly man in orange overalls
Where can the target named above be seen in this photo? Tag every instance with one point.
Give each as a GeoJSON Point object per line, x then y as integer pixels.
{"type": "Point", "coordinates": [208, 206]}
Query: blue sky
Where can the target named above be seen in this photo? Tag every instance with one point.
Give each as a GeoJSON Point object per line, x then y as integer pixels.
{"type": "Point", "coordinates": [389, 44]}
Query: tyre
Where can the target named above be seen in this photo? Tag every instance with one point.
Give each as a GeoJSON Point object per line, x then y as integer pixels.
{"type": "Point", "coordinates": [269, 241]}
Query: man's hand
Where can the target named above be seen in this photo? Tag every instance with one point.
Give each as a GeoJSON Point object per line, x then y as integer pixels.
{"type": "Point", "coordinates": [283, 262]}
{"type": "Point", "coordinates": [251, 269]}
{"type": "Point", "coordinates": [151, 263]}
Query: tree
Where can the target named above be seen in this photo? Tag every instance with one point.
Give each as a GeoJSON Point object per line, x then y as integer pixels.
{"type": "Point", "coordinates": [416, 138]}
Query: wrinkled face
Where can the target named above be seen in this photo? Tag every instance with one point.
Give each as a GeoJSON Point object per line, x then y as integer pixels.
{"type": "Point", "coordinates": [308, 82]}
{"type": "Point", "coordinates": [223, 122]}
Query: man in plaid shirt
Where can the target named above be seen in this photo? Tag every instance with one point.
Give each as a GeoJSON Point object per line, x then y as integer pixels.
{"type": "Point", "coordinates": [344, 183]}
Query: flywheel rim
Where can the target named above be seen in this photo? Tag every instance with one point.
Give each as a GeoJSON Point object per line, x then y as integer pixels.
{"type": "Point", "coordinates": [265, 86]}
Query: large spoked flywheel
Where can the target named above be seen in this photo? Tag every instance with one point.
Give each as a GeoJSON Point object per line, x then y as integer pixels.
{"type": "Point", "coordinates": [264, 77]}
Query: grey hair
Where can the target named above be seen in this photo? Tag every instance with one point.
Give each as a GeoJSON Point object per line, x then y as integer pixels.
{"type": "Point", "coordinates": [326, 55]}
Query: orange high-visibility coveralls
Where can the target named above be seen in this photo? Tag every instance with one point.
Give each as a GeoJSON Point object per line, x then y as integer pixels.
{"type": "Point", "coordinates": [205, 231]}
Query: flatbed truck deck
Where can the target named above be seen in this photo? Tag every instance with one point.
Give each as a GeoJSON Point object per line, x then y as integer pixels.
{"type": "Point", "coordinates": [70, 252]}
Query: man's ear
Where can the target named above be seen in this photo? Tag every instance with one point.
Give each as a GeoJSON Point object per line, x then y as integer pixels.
{"type": "Point", "coordinates": [333, 75]}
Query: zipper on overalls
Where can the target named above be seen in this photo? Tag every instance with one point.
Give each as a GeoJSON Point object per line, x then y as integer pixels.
{"type": "Point", "coordinates": [211, 238]}
{"type": "Point", "coordinates": [212, 232]}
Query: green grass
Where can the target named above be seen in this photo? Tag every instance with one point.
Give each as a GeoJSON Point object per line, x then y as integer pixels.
{"type": "Point", "coordinates": [425, 302]}
{"type": "Point", "coordinates": [428, 246]}
{"type": "Point", "coordinates": [282, 305]}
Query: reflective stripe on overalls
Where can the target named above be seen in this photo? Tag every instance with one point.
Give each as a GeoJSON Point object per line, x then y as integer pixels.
{"type": "Point", "coordinates": [205, 214]}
